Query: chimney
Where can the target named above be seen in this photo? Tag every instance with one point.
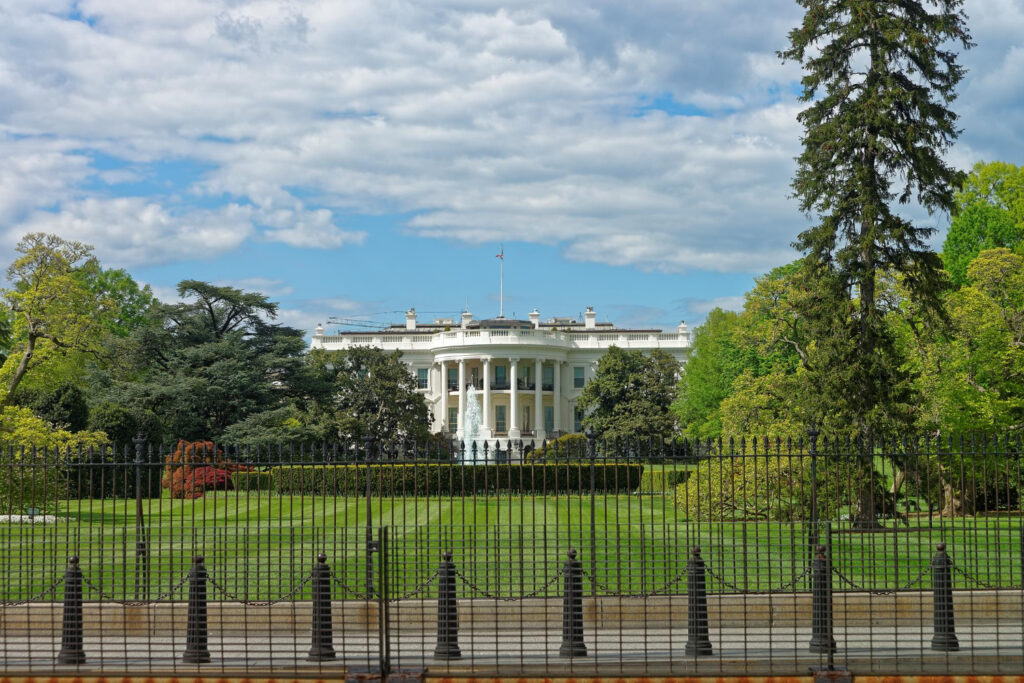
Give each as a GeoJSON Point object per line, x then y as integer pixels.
{"type": "Point", "coordinates": [535, 318]}
{"type": "Point", "coordinates": [466, 317]}
{"type": "Point", "coordinates": [319, 330]}
{"type": "Point", "coordinates": [410, 319]}
{"type": "Point", "coordinates": [683, 330]}
{"type": "Point", "coordinates": [590, 318]}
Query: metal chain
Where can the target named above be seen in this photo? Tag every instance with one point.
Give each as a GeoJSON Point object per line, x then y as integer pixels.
{"type": "Point", "coordinates": [348, 590]}
{"type": "Point", "coordinates": [871, 591]}
{"type": "Point", "coordinates": [976, 581]}
{"type": "Point", "coordinates": [418, 589]}
{"type": "Point", "coordinates": [479, 591]}
{"type": "Point", "coordinates": [45, 591]}
{"type": "Point", "coordinates": [136, 603]}
{"type": "Point", "coordinates": [663, 590]}
{"type": "Point", "coordinates": [261, 603]}
{"type": "Point", "coordinates": [789, 584]}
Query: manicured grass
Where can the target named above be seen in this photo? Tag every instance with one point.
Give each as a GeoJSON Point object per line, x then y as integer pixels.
{"type": "Point", "coordinates": [262, 546]}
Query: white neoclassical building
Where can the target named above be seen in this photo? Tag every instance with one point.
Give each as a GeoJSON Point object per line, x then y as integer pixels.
{"type": "Point", "coordinates": [527, 373]}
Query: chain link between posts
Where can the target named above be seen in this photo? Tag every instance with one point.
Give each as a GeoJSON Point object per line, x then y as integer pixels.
{"type": "Point", "coordinates": [532, 594]}
{"type": "Point", "coordinates": [260, 603]}
{"type": "Point", "coordinates": [46, 591]}
{"type": "Point", "coordinates": [135, 603]}
{"type": "Point", "coordinates": [843, 578]}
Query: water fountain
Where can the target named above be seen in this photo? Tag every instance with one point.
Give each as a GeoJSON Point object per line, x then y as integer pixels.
{"type": "Point", "coordinates": [471, 428]}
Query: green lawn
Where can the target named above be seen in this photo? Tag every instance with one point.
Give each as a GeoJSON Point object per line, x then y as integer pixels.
{"type": "Point", "coordinates": [262, 546]}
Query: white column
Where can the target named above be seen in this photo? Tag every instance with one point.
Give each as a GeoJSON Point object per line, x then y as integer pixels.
{"type": "Point", "coordinates": [442, 402]}
{"type": "Point", "coordinates": [538, 400]}
{"type": "Point", "coordinates": [513, 418]}
{"type": "Point", "coordinates": [488, 430]}
{"type": "Point", "coordinates": [462, 395]}
{"type": "Point", "coordinates": [558, 395]}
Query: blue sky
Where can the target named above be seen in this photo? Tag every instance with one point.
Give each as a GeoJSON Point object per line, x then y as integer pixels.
{"type": "Point", "coordinates": [356, 158]}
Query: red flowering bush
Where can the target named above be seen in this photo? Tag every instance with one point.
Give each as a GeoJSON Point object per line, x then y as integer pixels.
{"type": "Point", "coordinates": [195, 467]}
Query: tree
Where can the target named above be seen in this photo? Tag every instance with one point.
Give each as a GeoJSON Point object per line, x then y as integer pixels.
{"type": "Point", "coordinates": [374, 395]}
{"type": "Point", "coordinates": [211, 361]}
{"type": "Point", "coordinates": [990, 214]}
{"type": "Point", "coordinates": [715, 361]}
{"type": "Point", "coordinates": [879, 77]}
{"type": "Point", "coordinates": [630, 395]}
{"type": "Point", "coordinates": [54, 313]}
{"type": "Point", "coordinates": [973, 377]}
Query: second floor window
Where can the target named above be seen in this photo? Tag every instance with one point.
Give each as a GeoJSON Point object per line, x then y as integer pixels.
{"type": "Point", "coordinates": [453, 378]}
{"type": "Point", "coordinates": [500, 379]}
{"type": "Point", "coordinates": [577, 377]}
{"type": "Point", "coordinates": [422, 377]}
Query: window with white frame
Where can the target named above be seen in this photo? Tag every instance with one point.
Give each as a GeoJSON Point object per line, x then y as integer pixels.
{"type": "Point", "coordinates": [422, 378]}
{"type": "Point", "coordinates": [577, 377]}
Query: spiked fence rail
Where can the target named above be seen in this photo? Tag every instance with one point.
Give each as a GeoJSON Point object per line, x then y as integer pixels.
{"type": "Point", "coordinates": [749, 557]}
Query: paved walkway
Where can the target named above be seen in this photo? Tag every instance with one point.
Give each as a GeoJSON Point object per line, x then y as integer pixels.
{"type": "Point", "coordinates": [984, 648]}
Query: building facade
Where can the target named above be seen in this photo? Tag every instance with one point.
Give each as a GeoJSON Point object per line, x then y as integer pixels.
{"type": "Point", "coordinates": [526, 374]}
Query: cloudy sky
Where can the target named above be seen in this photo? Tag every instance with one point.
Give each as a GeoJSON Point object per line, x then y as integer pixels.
{"type": "Point", "coordinates": [357, 157]}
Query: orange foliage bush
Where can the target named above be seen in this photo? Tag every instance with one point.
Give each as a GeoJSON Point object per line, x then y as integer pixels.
{"type": "Point", "coordinates": [195, 467]}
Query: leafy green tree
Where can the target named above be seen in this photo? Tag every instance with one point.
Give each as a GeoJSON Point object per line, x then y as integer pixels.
{"type": "Point", "coordinates": [65, 408]}
{"type": "Point", "coordinates": [716, 359]}
{"type": "Point", "coordinates": [879, 78]}
{"type": "Point", "coordinates": [211, 361]}
{"type": "Point", "coordinates": [374, 394]}
{"type": "Point", "coordinates": [974, 377]}
{"type": "Point", "coordinates": [630, 395]}
{"type": "Point", "coordinates": [128, 303]}
{"type": "Point", "coordinates": [55, 315]}
{"type": "Point", "coordinates": [990, 215]}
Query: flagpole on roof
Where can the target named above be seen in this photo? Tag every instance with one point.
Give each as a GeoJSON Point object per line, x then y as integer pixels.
{"type": "Point", "coordinates": [501, 283]}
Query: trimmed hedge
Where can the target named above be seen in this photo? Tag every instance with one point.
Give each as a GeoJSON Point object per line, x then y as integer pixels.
{"type": "Point", "coordinates": [422, 479]}
{"type": "Point", "coordinates": [662, 479]}
{"type": "Point", "coordinates": [253, 481]}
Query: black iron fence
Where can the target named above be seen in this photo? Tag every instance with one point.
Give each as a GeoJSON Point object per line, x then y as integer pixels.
{"type": "Point", "coordinates": [581, 557]}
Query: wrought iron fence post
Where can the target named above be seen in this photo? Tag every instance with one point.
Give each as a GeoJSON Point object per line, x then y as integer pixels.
{"type": "Point", "coordinates": [812, 435]}
{"type": "Point", "coordinates": [572, 609]}
{"type": "Point", "coordinates": [447, 611]}
{"type": "Point", "coordinates": [322, 647]}
{"type": "Point", "coordinates": [383, 606]}
{"type": "Point", "coordinates": [141, 545]}
{"type": "Point", "coordinates": [592, 456]}
{"type": "Point", "coordinates": [196, 647]}
{"type": "Point", "coordinates": [944, 635]}
{"type": "Point", "coordinates": [371, 545]}
{"type": "Point", "coordinates": [71, 650]}
{"type": "Point", "coordinates": [697, 641]}
{"type": "Point", "coordinates": [821, 605]}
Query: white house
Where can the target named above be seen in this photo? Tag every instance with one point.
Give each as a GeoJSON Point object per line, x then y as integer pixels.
{"type": "Point", "coordinates": [528, 373]}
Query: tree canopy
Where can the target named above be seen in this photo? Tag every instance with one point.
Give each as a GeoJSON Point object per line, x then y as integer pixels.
{"type": "Point", "coordinates": [630, 395]}
{"type": "Point", "coordinates": [990, 214]}
{"type": "Point", "coordinates": [879, 77]}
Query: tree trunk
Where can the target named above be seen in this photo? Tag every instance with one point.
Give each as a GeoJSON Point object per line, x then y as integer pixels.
{"type": "Point", "coordinates": [19, 373]}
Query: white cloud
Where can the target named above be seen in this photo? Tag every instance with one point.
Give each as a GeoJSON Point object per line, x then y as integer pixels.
{"type": "Point", "coordinates": [701, 307]}
{"type": "Point", "coordinates": [484, 120]}
{"type": "Point", "coordinates": [134, 231]}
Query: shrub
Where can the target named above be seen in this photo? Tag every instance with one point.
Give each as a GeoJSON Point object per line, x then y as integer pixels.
{"type": "Point", "coordinates": [658, 479]}
{"type": "Point", "coordinates": [566, 447]}
{"type": "Point", "coordinates": [774, 488]}
{"type": "Point", "coordinates": [195, 467]}
{"type": "Point", "coordinates": [253, 481]}
{"type": "Point", "coordinates": [422, 479]}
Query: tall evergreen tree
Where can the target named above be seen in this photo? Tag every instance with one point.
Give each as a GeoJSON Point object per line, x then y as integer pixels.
{"type": "Point", "coordinates": [880, 76]}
